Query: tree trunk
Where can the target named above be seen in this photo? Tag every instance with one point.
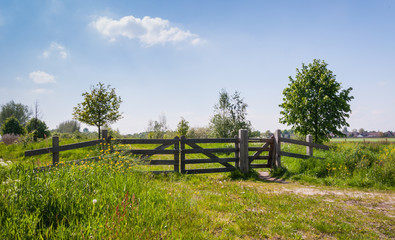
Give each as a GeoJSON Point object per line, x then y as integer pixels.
{"type": "Point", "coordinates": [98, 132]}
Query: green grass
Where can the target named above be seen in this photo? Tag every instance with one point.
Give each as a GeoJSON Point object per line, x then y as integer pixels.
{"type": "Point", "coordinates": [104, 200]}
{"type": "Point", "coordinates": [392, 139]}
{"type": "Point", "coordinates": [114, 200]}
{"type": "Point", "coordinates": [360, 165]}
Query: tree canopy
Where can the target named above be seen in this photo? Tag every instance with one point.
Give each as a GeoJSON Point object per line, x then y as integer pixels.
{"type": "Point", "coordinates": [100, 107]}
{"type": "Point", "coordinates": [314, 102]}
{"type": "Point", "coordinates": [38, 128]}
{"type": "Point", "coordinates": [18, 110]}
{"type": "Point", "coordinates": [157, 129]}
{"type": "Point", "coordinates": [182, 127]}
{"type": "Point", "coordinates": [68, 126]}
{"type": "Point", "coordinates": [12, 126]}
{"type": "Point", "coordinates": [230, 115]}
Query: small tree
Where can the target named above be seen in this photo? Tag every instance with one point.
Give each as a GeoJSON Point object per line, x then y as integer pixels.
{"type": "Point", "coordinates": [157, 129]}
{"type": "Point", "coordinates": [12, 126]}
{"type": "Point", "coordinates": [100, 107]}
{"type": "Point", "coordinates": [182, 127]}
{"type": "Point", "coordinates": [230, 115]}
{"type": "Point", "coordinates": [68, 126]}
{"type": "Point", "coordinates": [38, 128]}
{"type": "Point", "coordinates": [19, 111]}
{"type": "Point", "coordinates": [314, 102]}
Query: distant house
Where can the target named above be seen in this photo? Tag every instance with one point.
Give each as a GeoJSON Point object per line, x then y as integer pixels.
{"type": "Point", "coordinates": [359, 136]}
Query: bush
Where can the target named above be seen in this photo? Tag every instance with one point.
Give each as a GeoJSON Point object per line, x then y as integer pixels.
{"type": "Point", "coordinates": [12, 126]}
{"type": "Point", "coordinates": [38, 128]}
{"type": "Point", "coordinates": [10, 138]}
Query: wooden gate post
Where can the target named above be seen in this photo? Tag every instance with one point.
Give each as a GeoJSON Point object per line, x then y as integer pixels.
{"type": "Point", "coordinates": [176, 154]}
{"type": "Point", "coordinates": [55, 151]}
{"type": "Point", "coordinates": [309, 150]}
{"type": "Point", "coordinates": [182, 143]}
{"type": "Point", "coordinates": [244, 163]}
{"type": "Point", "coordinates": [277, 147]}
{"type": "Point", "coordinates": [104, 135]}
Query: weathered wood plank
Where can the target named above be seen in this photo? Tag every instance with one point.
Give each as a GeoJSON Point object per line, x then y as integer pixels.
{"type": "Point", "coordinates": [209, 160]}
{"type": "Point", "coordinates": [315, 145]}
{"type": "Point", "coordinates": [78, 145]}
{"type": "Point", "coordinates": [209, 170]}
{"type": "Point", "coordinates": [267, 140]}
{"type": "Point", "coordinates": [40, 151]}
{"type": "Point", "coordinates": [209, 150]}
{"type": "Point", "coordinates": [176, 157]}
{"type": "Point", "coordinates": [182, 143]}
{"type": "Point", "coordinates": [72, 146]}
{"type": "Point", "coordinates": [144, 141]}
{"type": "Point", "coordinates": [161, 162]}
{"type": "Point", "coordinates": [210, 140]}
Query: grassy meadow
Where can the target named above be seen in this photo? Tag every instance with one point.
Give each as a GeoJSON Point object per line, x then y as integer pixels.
{"type": "Point", "coordinates": [348, 195]}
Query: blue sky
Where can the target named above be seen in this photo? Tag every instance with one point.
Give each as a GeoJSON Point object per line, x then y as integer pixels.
{"type": "Point", "coordinates": [174, 57]}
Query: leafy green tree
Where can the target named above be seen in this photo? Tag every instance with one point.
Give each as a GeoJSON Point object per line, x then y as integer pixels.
{"type": "Point", "coordinates": [230, 115]}
{"type": "Point", "coordinates": [314, 102]}
{"type": "Point", "coordinates": [182, 127]}
{"type": "Point", "coordinates": [12, 126]}
{"type": "Point", "coordinates": [19, 111]}
{"type": "Point", "coordinates": [38, 128]}
{"type": "Point", "coordinates": [100, 107]}
{"type": "Point", "coordinates": [70, 126]}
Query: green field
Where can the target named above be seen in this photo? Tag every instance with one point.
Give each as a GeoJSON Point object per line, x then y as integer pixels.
{"type": "Point", "coordinates": [391, 140]}
{"type": "Point", "coordinates": [348, 195]}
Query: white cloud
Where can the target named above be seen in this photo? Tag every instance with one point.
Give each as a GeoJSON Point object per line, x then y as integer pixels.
{"type": "Point", "coordinates": [149, 31]}
{"type": "Point", "coordinates": [55, 49]}
{"type": "Point", "coordinates": [42, 91]}
{"type": "Point", "coordinates": [41, 77]}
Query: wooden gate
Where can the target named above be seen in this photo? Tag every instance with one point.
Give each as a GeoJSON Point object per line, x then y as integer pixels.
{"type": "Point", "coordinates": [209, 153]}
{"type": "Point", "coordinates": [267, 149]}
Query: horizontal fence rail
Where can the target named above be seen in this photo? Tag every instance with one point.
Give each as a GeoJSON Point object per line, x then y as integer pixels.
{"type": "Point", "coordinates": [243, 151]}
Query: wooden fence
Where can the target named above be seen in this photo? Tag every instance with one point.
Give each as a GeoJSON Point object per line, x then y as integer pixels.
{"type": "Point", "coordinates": [242, 149]}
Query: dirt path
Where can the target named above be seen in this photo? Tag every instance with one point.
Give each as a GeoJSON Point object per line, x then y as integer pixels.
{"type": "Point", "coordinates": [383, 202]}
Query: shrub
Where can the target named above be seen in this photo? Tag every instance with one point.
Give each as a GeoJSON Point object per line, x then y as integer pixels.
{"type": "Point", "coordinates": [10, 138]}
{"type": "Point", "coordinates": [38, 128]}
{"type": "Point", "coordinates": [12, 126]}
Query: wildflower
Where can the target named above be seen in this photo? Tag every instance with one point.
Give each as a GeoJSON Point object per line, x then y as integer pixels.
{"type": "Point", "coordinates": [94, 201]}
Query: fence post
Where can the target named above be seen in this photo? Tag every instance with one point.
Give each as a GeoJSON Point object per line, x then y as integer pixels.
{"type": "Point", "coordinates": [244, 163]}
{"type": "Point", "coordinates": [55, 150]}
{"type": "Point", "coordinates": [176, 154]}
{"type": "Point", "coordinates": [104, 135]}
{"type": "Point", "coordinates": [182, 154]}
{"type": "Point", "coordinates": [309, 149]}
{"type": "Point", "coordinates": [277, 147]}
{"type": "Point", "coordinates": [237, 162]}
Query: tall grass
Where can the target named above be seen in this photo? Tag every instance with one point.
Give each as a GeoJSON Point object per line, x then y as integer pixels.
{"type": "Point", "coordinates": [369, 165]}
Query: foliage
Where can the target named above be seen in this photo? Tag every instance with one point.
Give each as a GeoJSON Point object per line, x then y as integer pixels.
{"type": "Point", "coordinates": [100, 107]}
{"type": "Point", "coordinates": [19, 111]}
{"type": "Point", "coordinates": [8, 139]}
{"type": "Point", "coordinates": [199, 132]}
{"type": "Point", "coordinates": [157, 129]}
{"type": "Point", "coordinates": [68, 126]}
{"type": "Point", "coordinates": [345, 164]}
{"type": "Point", "coordinates": [38, 128]}
{"type": "Point", "coordinates": [314, 102]}
{"type": "Point", "coordinates": [230, 116]}
{"type": "Point", "coordinates": [182, 127]}
{"type": "Point", "coordinates": [109, 200]}
{"type": "Point", "coordinates": [12, 126]}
